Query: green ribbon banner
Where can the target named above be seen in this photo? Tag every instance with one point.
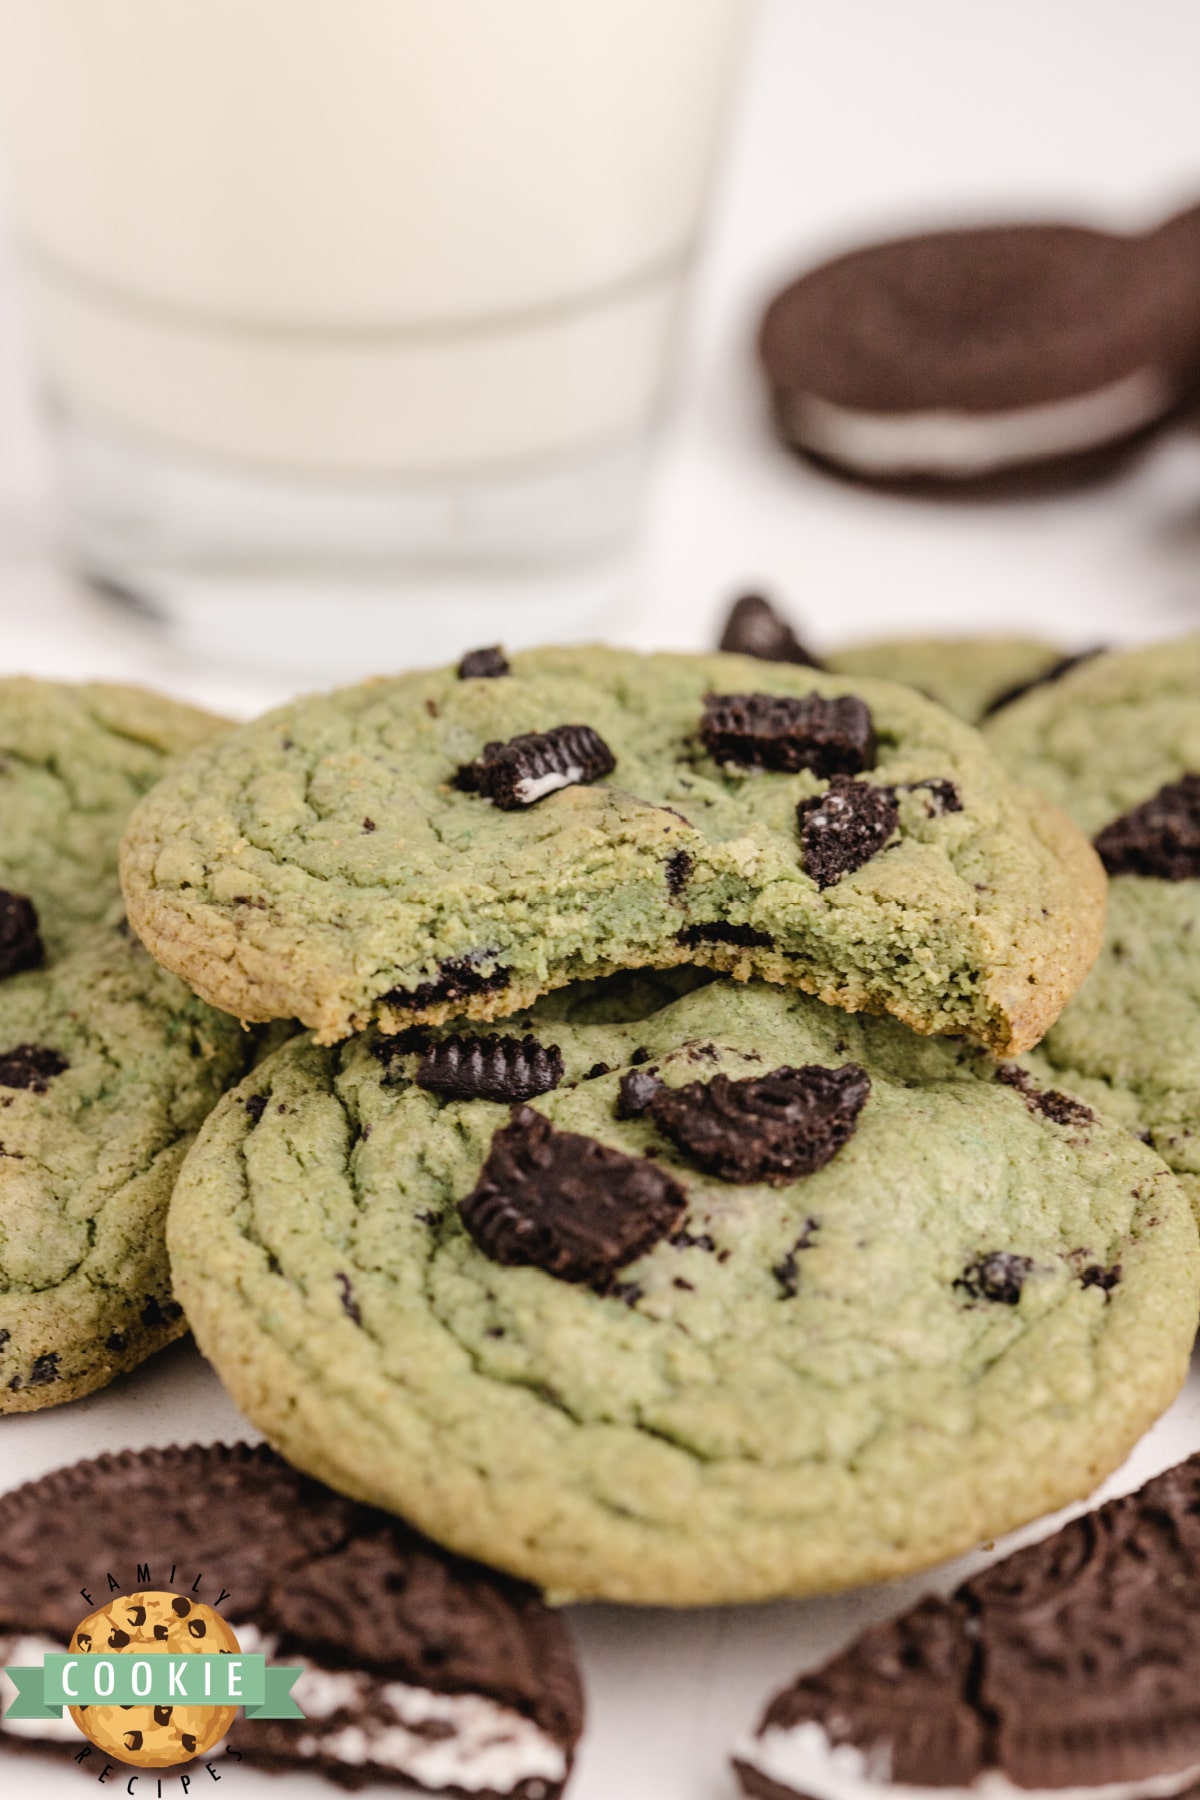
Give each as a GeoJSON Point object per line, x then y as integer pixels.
{"type": "Point", "coordinates": [131, 1680]}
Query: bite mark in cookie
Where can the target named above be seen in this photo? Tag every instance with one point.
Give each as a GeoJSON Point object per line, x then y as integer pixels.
{"type": "Point", "coordinates": [490, 1068]}
{"type": "Point", "coordinates": [524, 770]}
{"type": "Point", "coordinates": [774, 1128]}
{"type": "Point", "coordinates": [20, 940]}
{"type": "Point", "coordinates": [567, 1204]}
{"type": "Point", "coordinates": [754, 628]}
{"type": "Point", "coordinates": [785, 733]}
{"type": "Point", "coordinates": [844, 827]}
{"type": "Point", "coordinates": [1161, 837]}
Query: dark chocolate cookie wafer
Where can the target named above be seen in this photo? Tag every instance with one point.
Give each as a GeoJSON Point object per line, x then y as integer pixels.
{"type": "Point", "coordinates": [967, 353]}
{"type": "Point", "coordinates": [1074, 1664]}
{"type": "Point", "coordinates": [417, 1668]}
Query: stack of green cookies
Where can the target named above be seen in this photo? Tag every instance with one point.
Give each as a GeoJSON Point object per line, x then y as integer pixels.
{"type": "Point", "coordinates": [660, 1204]}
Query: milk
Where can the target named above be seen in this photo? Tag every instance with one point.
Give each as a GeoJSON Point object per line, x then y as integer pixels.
{"type": "Point", "coordinates": [410, 240]}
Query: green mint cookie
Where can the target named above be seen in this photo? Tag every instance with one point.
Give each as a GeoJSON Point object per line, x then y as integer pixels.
{"type": "Point", "coordinates": [108, 1064]}
{"type": "Point", "coordinates": [747, 1297]}
{"type": "Point", "coordinates": [435, 845]}
{"type": "Point", "coordinates": [972, 677]}
{"type": "Point", "coordinates": [1116, 744]}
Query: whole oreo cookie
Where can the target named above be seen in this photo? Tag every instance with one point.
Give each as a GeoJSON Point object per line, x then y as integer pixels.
{"type": "Point", "coordinates": [416, 1668]}
{"type": "Point", "coordinates": [1074, 1664]}
{"type": "Point", "coordinates": [969, 353]}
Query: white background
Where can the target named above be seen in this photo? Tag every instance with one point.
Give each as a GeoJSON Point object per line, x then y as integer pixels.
{"type": "Point", "coordinates": [857, 117]}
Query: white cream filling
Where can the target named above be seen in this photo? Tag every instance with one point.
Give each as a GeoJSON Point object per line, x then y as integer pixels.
{"type": "Point", "coordinates": [28, 1652]}
{"type": "Point", "coordinates": [491, 1746]}
{"type": "Point", "coordinates": [535, 787]}
{"type": "Point", "coordinates": [965, 444]}
{"type": "Point", "coordinates": [803, 1758]}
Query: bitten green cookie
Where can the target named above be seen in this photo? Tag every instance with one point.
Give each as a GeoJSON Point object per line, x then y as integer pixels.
{"type": "Point", "coordinates": [1116, 743]}
{"type": "Point", "coordinates": [745, 1298]}
{"type": "Point", "coordinates": [969, 676]}
{"type": "Point", "coordinates": [441, 844]}
{"type": "Point", "coordinates": [107, 1063]}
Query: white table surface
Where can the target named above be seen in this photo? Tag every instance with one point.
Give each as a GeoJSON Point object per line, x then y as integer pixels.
{"type": "Point", "coordinates": [858, 117]}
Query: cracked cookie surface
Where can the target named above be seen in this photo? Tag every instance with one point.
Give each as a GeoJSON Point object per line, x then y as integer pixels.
{"type": "Point", "coordinates": [1104, 743]}
{"type": "Point", "coordinates": [325, 861]}
{"type": "Point", "coordinates": [962, 1320]}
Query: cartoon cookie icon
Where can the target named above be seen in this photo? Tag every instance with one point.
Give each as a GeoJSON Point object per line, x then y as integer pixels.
{"type": "Point", "coordinates": [154, 1737]}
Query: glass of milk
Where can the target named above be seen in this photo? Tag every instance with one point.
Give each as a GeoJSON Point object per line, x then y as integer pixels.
{"type": "Point", "coordinates": [339, 302]}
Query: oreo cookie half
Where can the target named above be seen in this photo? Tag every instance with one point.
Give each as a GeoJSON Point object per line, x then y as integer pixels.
{"type": "Point", "coordinates": [969, 353]}
{"type": "Point", "coordinates": [1073, 1664]}
{"type": "Point", "coordinates": [417, 1668]}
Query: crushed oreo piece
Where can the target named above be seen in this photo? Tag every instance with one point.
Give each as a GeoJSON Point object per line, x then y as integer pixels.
{"type": "Point", "coordinates": [637, 1088]}
{"type": "Point", "coordinates": [941, 796]}
{"type": "Point", "coordinates": [844, 828]}
{"type": "Point", "coordinates": [1097, 1276]}
{"type": "Point", "coordinates": [773, 1128]}
{"type": "Point", "coordinates": [1049, 1103]}
{"type": "Point", "coordinates": [1160, 838]}
{"type": "Point", "coordinates": [998, 1275]}
{"type": "Point", "coordinates": [390, 1046]}
{"type": "Point", "coordinates": [718, 931]}
{"type": "Point", "coordinates": [561, 1202]}
{"type": "Point", "coordinates": [787, 1271]}
{"type": "Point", "coordinates": [527, 768]}
{"type": "Point", "coordinates": [458, 978]}
{"type": "Point", "coordinates": [780, 731]}
{"type": "Point", "coordinates": [679, 867]}
{"type": "Point", "coordinates": [685, 1240]}
{"type": "Point", "coordinates": [596, 1071]}
{"type": "Point", "coordinates": [483, 665]}
{"type": "Point", "coordinates": [490, 1068]}
{"type": "Point", "coordinates": [31, 1066]}
{"type": "Point", "coordinates": [20, 940]}
{"type": "Point", "coordinates": [754, 628]}
{"type": "Point", "coordinates": [255, 1107]}
{"type": "Point", "coordinates": [1055, 672]}
{"type": "Point", "coordinates": [44, 1369]}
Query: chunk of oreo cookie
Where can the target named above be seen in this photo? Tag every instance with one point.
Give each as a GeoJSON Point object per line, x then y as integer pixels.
{"type": "Point", "coordinates": [490, 1068]}
{"type": "Point", "coordinates": [31, 1066]}
{"type": "Point", "coordinates": [20, 940]}
{"type": "Point", "coordinates": [1073, 1664]}
{"type": "Point", "coordinates": [525, 769]}
{"type": "Point", "coordinates": [635, 1090]}
{"type": "Point", "coordinates": [1049, 1102]}
{"type": "Point", "coordinates": [844, 827]}
{"type": "Point", "coordinates": [940, 796]}
{"type": "Point", "coordinates": [754, 628]}
{"type": "Point", "coordinates": [483, 665]}
{"type": "Point", "coordinates": [1161, 837]}
{"type": "Point", "coordinates": [417, 1668]}
{"type": "Point", "coordinates": [567, 1204]}
{"type": "Point", "coordinates": [969, 353]}
{"type": "Point", "coordinates": [774, 1128]}
{"type": "Point", "coordinates": [999, 1276]}
{"type": "Point", "coordinates": [779, 731]}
